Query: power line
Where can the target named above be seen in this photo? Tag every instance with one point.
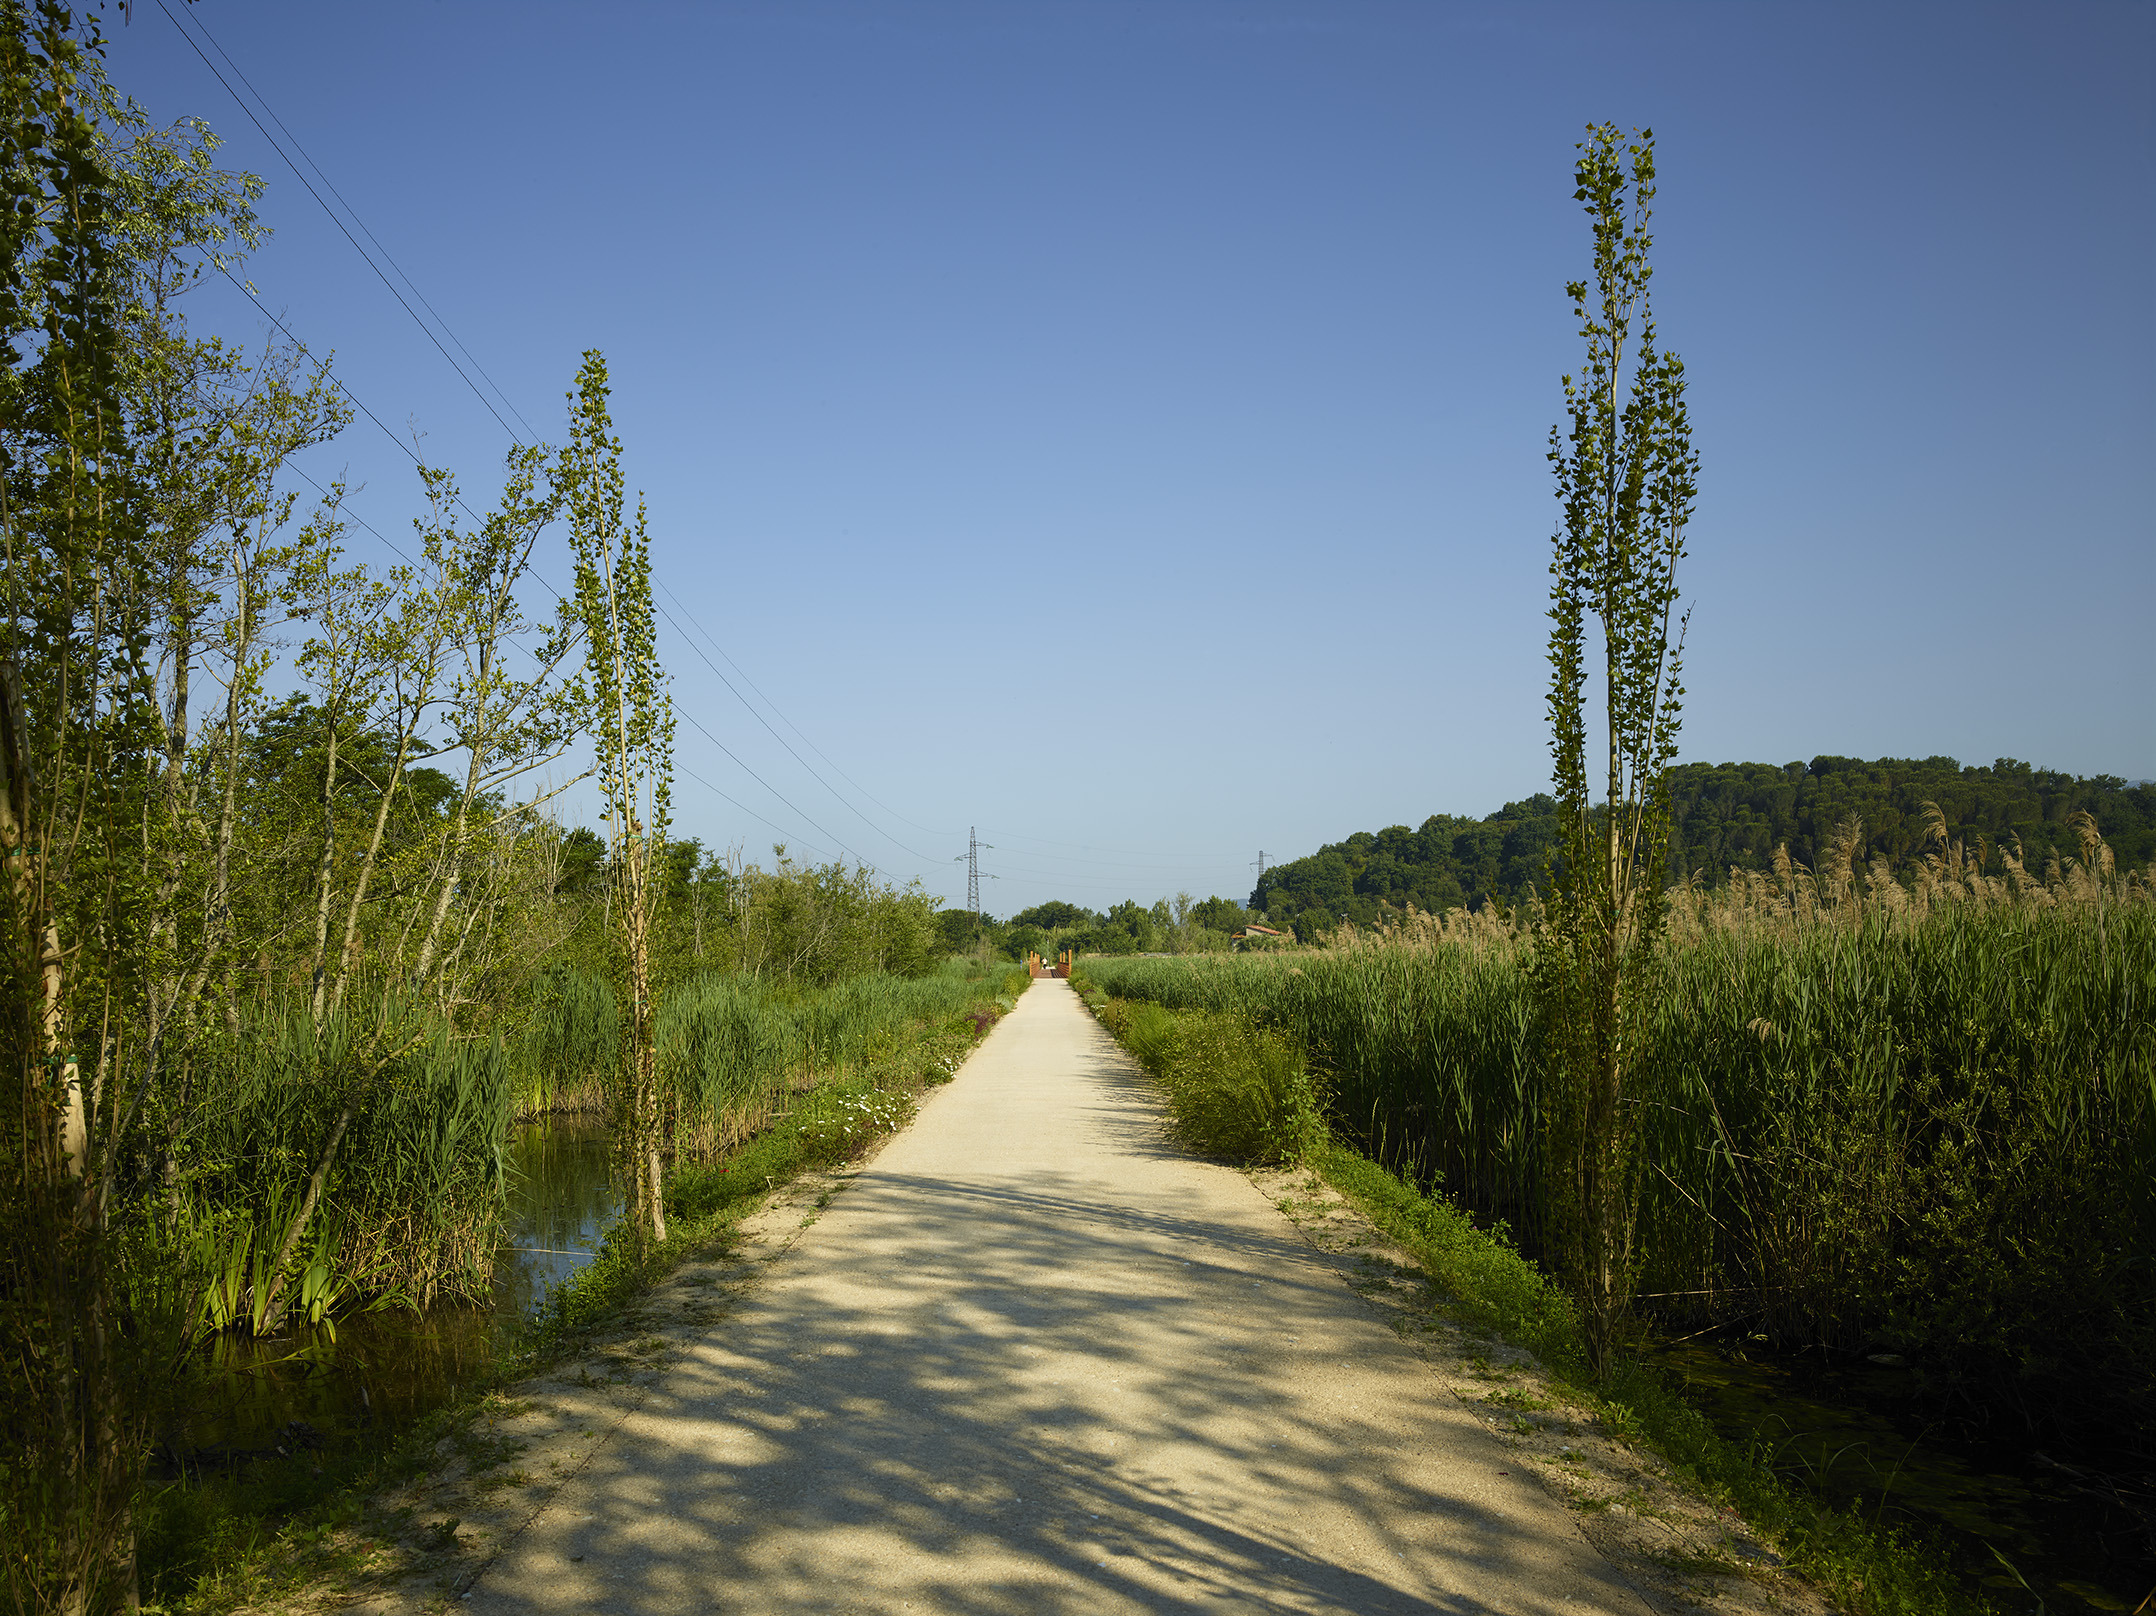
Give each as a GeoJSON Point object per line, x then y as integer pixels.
{"type": "Point", "coordinates": [344, 230]}
{"type": "Point", "coordinates": [1207, 862]}
{"type": "Point", "coordinates": [745, 808]}
{"type": "Point", "coordinates": [255, 298]}
{"type": "Point", "coordinates": [413, 455]}
{"type": "Point", "coordinates": [775, 735]}
{"type": "Point", "coordinates": [359, 405]}
{"type": "Point", "coordinates": [767, 785]}
{"type": "Point", "coordinates": [806, 739]}
{"type": "Point", "coordinates": [1100, 883]}
{"type": "Point", "coordinates": [321, 174]}
{"type": "Point", "coordinates": [398, 551]}
{"type": "Point", "coordinates": [377, 420]}
{"type": "Point", "coordinates": [308, 185]}
{"type": "Point", "coordinates": [1046, 841]}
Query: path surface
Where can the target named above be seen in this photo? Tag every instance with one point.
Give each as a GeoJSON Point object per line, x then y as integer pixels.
{"type": "Point", "coordinates": [1035, 1361]}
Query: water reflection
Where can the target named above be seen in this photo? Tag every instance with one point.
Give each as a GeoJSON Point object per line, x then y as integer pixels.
{"type": "Point", "coordinates": [308, 1391]}
{"type": "Point", "coordinates": [1855, 1432]}
{"type": "Point", "coordinates": [561, 1199]}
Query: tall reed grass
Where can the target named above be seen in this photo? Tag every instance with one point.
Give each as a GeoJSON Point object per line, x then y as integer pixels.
{"type": "Point", "coordinates": [567, 1049]}
{"type": "Point", "coordinates": [732, 1048]}
{"type": "Point", "coordinates": [413, 1199]}
{"type": "Point", "coordinates": [1927, 1125]}
{"type": "Point", "coordinates": [412, 1206]}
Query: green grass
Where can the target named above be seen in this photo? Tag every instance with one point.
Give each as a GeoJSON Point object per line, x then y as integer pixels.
{"type": "Point", "coordinates": [1232, 1089]}
{"type": "Point", "coordinates": [278, 1527]}
{"type": "Point", "coordinates": [1483, 1280]}
{"type": "Point", "coordinates": [1490, 1285]}
{"type": "Point", "coordinates": [414, 1197]}
{"type": "Point", "coordinates": [1937, 1134]}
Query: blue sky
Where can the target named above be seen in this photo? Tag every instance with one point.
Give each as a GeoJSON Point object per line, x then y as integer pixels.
{"type": "Point", "coordinates": [1121, 426]}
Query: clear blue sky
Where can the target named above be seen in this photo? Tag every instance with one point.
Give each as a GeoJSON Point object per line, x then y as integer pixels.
{"type": "Point", "coordinates": [1121, 426]}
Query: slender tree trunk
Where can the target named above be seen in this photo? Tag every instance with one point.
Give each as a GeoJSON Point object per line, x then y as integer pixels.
{"type": "Point", "coordinates": [454, 862]}
{"type": "Point", "coordinates": [348, 953]}
{"type": "Point", "coordinates": [645, 1089]}
{"type": "Point", "coordinates": [31, 900]}
{"type": "Point", "coordinates": [324, 875]}
{"type": "Point", "coordinates": [217, 910]}
{"type": "Point", "coordinates": [164, 926]}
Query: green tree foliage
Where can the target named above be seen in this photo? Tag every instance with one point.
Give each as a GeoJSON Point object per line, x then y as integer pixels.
{"type": "Point", "coordinates": [1178, 925]}
{"type": "Point", "coordinates": [1737, 814]}
{"type": "Point", "coordinates": [959, 929]}
{"type": "Point", "coordinates": [1054, 915]}
{"type": "Point", "coordinates": [1724, 817]}
{"type": "Point", "coordinates": [823, 923]}
{"type": "Point", "coordinates": [579, 863]}
{"type": "Point", "coordinates": [806, 925]}
{"type": "Point", "coordinates": [1218, 914]}
{"type": "Point", "coordinates": [75, 728]}
{"type": "Point", "coordinates": [630, 717]}
{"type": "Point", "coordinates": [1626, 478]}
{"type": "Point", "coordinates": [281, 912]}
{"type": "Point", "coordinates": [1127, 928]}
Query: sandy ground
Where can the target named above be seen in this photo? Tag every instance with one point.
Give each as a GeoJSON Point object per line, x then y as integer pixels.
{"type": "Point", "coordinates": [1031, 1358]}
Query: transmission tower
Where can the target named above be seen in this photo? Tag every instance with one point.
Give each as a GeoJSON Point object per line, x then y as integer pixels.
{"type": "Point", "coordinates": [972, 856]}
{"type": "Point", "coordinates": [1261, 864]}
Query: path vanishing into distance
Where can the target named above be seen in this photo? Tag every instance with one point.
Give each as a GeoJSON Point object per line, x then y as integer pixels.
{"type": "Point", "coordinates": [1035, 1360]}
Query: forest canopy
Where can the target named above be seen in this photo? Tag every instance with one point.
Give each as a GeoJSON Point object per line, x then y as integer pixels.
{"type": "Point", "coordinates": [1724, 816]}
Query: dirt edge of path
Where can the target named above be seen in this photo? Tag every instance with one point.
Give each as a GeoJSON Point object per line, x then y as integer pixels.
{"type": "Point", "coordinates": [420, 1543]}
{"type": "Point", "coordinates": [1680, 1552]}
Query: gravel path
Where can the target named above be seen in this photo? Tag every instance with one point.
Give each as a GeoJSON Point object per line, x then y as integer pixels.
{"type": "Point", "coordinates": [1034, 1360]}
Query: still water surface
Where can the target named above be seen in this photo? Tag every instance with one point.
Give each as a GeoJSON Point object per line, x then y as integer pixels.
{"type": "Point", "coordinates": [2074, 1531]}
{"type": "Point", "coordinates": [384, 1369]}
{"type": "Point", "coordinates": [1854, 1434]}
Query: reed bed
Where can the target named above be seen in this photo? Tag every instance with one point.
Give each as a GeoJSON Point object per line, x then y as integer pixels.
{"type": "Point", "coordinates": [1923, 1123]}
{"type": "Point", "coordinates": [413, 1198]}
{"type": "Point", "coordinates": [411, 1208]}
{"type": "Point", "coordinates": [728, 1042]}
{"type": "Point", "coordinates": [733, 1049]}
{"type": "Point", "coordinates": [568, 1046]}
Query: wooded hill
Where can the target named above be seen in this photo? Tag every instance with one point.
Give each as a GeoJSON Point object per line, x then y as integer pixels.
{"type": "Point", "coordinates": [1726, 814]}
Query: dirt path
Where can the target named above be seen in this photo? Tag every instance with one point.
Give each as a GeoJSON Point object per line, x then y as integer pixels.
{"type": "Point", "coordinates": [1034, 1361]}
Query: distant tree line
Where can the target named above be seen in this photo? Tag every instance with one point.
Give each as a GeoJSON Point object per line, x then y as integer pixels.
{"type": "Point", "coordinates": [1178, 925]}
{"type": "Point", "coordinates": [807, 924]}
{"type": "Point", "coordinates": [1724, 816]}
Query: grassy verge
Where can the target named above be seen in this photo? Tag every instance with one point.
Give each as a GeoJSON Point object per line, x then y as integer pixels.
{"type": "Point", "coordinates": [1866, 1569]}
{"type": "Point", "coordinates": [1484, 1281]}
{"type": "Point", "coordinates": [828, 1125]}
{"type": "Point", "coordinates": [297, 1530]}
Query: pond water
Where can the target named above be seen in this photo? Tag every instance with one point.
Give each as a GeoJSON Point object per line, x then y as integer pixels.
{"type": "Point", "coordinates": [2077, 1531]}
{"type": "Point", "coordinates": [2082, 1531]}
{"type": "Point", "coordinates": [381, 1370]}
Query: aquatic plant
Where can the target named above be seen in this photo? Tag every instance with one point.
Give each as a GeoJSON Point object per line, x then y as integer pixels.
{"type": "Point", "coordinates": [410, 1199]}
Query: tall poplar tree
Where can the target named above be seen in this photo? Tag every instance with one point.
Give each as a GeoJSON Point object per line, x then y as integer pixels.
{"type": "Point", "coordinates": [75, 735]}
{"type": "Point", "coordinates": [1626, 479]}
{"type": "Point", "coordinates": [630, 718]}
